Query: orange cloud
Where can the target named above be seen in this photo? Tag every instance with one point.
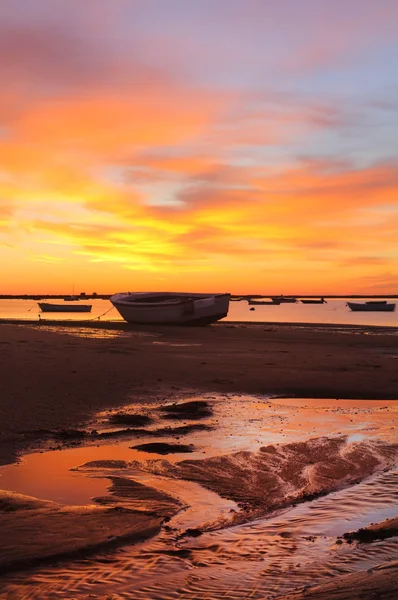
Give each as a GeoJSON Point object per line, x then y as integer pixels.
{"type": "Point", "coordinates": [233, 231]}
{"type": "Point", "coordinates": [109, 156]}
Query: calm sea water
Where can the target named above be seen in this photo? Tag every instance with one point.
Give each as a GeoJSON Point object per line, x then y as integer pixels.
{"type": "Point", "coordinates": [333, 312]}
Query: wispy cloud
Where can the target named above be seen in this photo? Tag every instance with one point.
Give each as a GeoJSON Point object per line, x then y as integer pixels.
{"type": "Point", "coordinates": [218, 139]}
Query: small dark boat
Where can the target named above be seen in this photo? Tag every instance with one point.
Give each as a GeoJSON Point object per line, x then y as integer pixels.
{"type": "Point", "coordinates": [264, 302]}
{"type": "Point", "coordinates": [314, 301]}
{"type": "Point", "coordinates": [280, 299]}
{"type": "Point", "coordinates": [375, 307]}
{"type": "Point", "coordinates": [66, 308]}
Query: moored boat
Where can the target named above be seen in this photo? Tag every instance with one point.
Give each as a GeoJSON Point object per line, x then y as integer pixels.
{"type": "Point", "coordinates": [171, 308]}
{"type": "Point", "coordinates": [279, 299]}
{"type": "Point", "coordinates": [49, 307]}
{"type": "Point", "coordinates": [313, 301]}
{"type": "Point", "coordinates": [264, 302]}
{"type": "Point", "coordinates": [372, 306]}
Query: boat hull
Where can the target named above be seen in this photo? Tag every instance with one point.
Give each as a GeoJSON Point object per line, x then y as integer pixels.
{"type": "Point", "coordinates": [313, 301]}
{"type": "Point", "coordinates": [357, 307]}
{"type": "Point", "coordinates": [64, 308]}
{"type": "Point", "coordinates": [284, 299]}
{"type": "Point", "coordinates": [264, 303]}
{"type": "Point", "coordinates": [173, 309]}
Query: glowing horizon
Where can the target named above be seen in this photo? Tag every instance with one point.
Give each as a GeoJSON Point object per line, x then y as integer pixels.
{"type": "Point", "coordinates": [220, 146]}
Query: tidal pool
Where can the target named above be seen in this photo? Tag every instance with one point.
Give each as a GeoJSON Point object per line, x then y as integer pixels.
{"type": "Point", "coordinates": [262, 557]}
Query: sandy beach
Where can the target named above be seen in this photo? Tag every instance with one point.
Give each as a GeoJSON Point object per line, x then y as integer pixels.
{"type": "Point", "coordinates": [56, 381]}
{"type": "Point", "coordinates": [50, 379]}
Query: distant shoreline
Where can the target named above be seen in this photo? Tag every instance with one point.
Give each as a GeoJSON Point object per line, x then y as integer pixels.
{"type": "Point", "coordinates": [234, 297]}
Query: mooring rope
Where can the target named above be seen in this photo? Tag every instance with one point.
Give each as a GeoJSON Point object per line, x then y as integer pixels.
{"type": "Point", "coordinates": [98, 318]}
{"type": "Point", "coordinates": [77, 322]}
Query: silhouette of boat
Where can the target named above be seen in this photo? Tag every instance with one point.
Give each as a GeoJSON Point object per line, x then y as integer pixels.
{"type": "Point", "coordinates": [284, 299]}
{"type": "Point", "coordinates": [49, 307]}
{"type": "Point", "coordinates": [313, 301]}
{"type": "Point", "coordinates": [371, 306]}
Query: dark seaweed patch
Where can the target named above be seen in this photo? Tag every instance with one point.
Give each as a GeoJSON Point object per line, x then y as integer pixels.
{"type": "Point", "coordinates": [130, 419]}
{"type": "Point", "coordinates": [164, 448]}
{"type": "Point", "coordinates": [196, 409]}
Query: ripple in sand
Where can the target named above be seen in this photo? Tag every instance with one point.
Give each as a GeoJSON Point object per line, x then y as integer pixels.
{"type": "Point", "coordinates": [251, 558]}
{"type": "Point", "coordinates": [263, 558]}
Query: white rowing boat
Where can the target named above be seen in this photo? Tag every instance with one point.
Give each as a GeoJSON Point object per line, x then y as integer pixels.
{"type": "Point", "coordinates": [171, 308]}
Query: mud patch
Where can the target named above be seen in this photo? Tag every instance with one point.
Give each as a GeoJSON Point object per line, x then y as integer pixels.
{"type": "Point", "coordinates": [73, 437]}
{"type": "Point", "coordinates": [164, 448]}
{"type": "Point", "coordinates": [379, 531]}
{"type": "Point", "coordinates": [130, 419]}
{"type": "Point", "coordinates": [196, 409]}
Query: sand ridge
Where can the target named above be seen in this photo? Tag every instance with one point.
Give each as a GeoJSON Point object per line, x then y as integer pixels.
{"type": "Point", "coordinates": [280, 475]}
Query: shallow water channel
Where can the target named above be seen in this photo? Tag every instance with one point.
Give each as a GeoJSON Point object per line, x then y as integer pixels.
{"type": "Point", "coordinates": [265, 557]}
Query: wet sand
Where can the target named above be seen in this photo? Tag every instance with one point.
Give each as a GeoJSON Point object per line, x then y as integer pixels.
{"type": "Point", "coordinates": [377, 584]}
{"type": "Point", "coordinates": [37, 532]}
{"type": "Point", "coordinates": [53, 382]}
{"type": "Point", "coordinates": [281, 475]}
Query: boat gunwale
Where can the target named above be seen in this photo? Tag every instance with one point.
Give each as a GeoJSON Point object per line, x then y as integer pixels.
{"type": "Point", "coordinates": [179, 300]}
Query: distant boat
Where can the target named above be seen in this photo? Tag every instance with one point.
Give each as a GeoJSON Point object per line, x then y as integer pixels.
{"type": "Point", "coordinates": [280, 299]}
{"type": "Point", "coordinates": [170, 308]}
{"type": "Point", "coordinates": [371, 306]}
{"type": "Point", "coordinates": [48, 307]}
{"type": "Point", "coordinates": [264, 302]}
{"type": "Point", "coordinates": [71, 298]}
{"type": "Point", "coordinates": [314, 301]}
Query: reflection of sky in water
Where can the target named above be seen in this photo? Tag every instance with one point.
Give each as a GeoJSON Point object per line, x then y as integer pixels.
{"type": "Point", "coordinates": [356, 437]}
{"type": "Point", "coordinates": [240, 422]}
{"type": "Point", "coordinates": [335, 311]}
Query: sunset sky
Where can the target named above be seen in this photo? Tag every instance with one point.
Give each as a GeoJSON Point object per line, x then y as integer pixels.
{"type": "Point", "coordinates": [199, 145]}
